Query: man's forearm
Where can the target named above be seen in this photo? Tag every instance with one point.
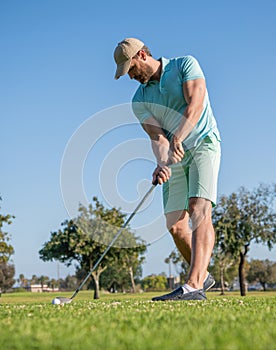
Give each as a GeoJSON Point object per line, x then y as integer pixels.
{"type": "Point", "coordinates": [160, 146]}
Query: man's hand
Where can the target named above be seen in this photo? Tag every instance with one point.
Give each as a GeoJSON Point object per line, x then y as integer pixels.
{"type": "Point", "coordinates": [176, 151]}
{"type": "Point", "coordinates": [161, 174]}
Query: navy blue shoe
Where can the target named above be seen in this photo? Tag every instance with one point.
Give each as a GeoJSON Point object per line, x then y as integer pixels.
{"type": "Point", "coordinates": [209, 283]}
{"type": "Point", "coordinates": [178, 294]}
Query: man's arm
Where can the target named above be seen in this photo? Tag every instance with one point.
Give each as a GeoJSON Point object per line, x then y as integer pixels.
{"type": "Point", "coordinates": [160, 147]}
{"type": "Point", "coordinates": [159, 142]}
{"type": "Point", "coordinates": [194, 93]}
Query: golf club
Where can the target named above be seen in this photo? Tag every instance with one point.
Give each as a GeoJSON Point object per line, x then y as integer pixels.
{"type": "Point", "coordinates": [62, 300]}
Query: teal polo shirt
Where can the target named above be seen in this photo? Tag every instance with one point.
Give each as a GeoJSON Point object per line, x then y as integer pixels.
{"type": "Point", "coordinates": [164, 100]}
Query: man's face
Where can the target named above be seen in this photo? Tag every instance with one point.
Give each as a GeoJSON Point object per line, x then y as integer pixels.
{"type": "Point", "coordinates": [140, 70]}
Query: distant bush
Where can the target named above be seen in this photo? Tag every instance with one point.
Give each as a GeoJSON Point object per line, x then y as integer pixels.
{"type": "Point", "coordinates": [19, 290]}
{"type": "Point", "coordinates": [154, 283]}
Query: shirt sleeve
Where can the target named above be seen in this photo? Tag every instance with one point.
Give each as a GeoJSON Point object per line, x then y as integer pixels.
{"type": "Point", "coordinates": [139, 107]}
{"type": "Point", "coordinates": [190, 69]}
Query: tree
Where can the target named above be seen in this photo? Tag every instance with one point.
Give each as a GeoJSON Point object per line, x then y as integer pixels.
{"type": "Point", "coordinates": [34, 279]}
{"type": "Point", "coordinates": [114, 278]}
{"type": "Point", "coordinates": [53, 283]}
{"type": "Point", "coordinates": [242, 218]}
{"type": "Point", "coordinates": [224, 271]}
{"type": "Point", "coordinates": [7, 270]}
{"type": "Point", "coordinates": [43, 280]}
{"type": "Point", "coordinates": [273, 272]}
{"type": "Point", "coordinates": [85, 238]}
{"type": "Point", "coordinates": [131, 262]}
{"type": "Point", "coordinates": [261, 271]}
{"type": "Point", "coordinates": [222, 261]}
{"type": "Point", "coordinates": [154, 283]}
{"type": "Point", "coordinates": [123, 272]}
{"type": "Point", "coordinates": [22, 281]}
{"type": "Point", "coordinates": [6, 249]}
{"type": "Point", "coordinates": [181, 265]}
{"type": "Point", "coordinates": [69, 283]}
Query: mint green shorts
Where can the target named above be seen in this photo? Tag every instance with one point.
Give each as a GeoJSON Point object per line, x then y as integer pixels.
{"type": "Point", "coordinates": [195, 176]}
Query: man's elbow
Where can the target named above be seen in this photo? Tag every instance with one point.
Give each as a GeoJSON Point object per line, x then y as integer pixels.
{"type": "Point", "coordinates": [156, 137]}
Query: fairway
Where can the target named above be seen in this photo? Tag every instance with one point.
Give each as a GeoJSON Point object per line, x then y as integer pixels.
{"type": "Point", "coordinates": [29, 321]}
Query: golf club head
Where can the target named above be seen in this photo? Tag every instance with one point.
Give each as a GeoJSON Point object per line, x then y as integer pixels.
{"type": "Point", "coordinates": [64, 300]}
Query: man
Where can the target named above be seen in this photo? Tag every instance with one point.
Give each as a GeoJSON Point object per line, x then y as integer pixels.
{"type": "Point", "coordinates": [173, 107]}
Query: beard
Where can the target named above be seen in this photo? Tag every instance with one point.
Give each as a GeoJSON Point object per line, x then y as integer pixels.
{"type": "Point", "coordinates": [145, 74]}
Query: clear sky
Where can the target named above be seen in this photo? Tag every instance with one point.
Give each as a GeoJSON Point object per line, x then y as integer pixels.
{"type": "Point", "coordinates": [57, 80]}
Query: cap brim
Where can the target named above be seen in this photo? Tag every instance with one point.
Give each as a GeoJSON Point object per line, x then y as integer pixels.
{"type": "Point", "coordinates": [122, 69]}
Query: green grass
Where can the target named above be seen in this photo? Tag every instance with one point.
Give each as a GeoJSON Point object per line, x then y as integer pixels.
{"type": "Point", "coordinates": [29, 321]}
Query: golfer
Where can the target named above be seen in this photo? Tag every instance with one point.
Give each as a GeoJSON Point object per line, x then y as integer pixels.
{"type": "Point", "coordinates": [173, 107]}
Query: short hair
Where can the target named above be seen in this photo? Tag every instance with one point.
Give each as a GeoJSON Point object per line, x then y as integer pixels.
{"type": "Point", "coordinates": [147, 50]}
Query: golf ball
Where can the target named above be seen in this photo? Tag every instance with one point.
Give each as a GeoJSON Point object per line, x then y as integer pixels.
{"type": "Point", "coordinates": [56, 301]}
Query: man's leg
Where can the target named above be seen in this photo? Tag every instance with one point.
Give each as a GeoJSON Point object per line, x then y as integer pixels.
{"type": "Point", "coordinates": [203, 239]}
{"type": "Point", "coordinates": [178, 225]}
{"type": "Point", "coordinates": [201, 247]}
{"type": "Point", "coordinates": [199, 183]}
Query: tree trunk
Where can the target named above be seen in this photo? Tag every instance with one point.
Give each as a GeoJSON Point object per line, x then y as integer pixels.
{"type": "Point", "coordinates": [241, 272]}
{"type": "Point", "coordinates": [263, 285]}
{"type": "Point", "coordinates": [133, 287]}
{"type": "Point", "coordinates": [96, 276]}
{"type": "Point", "coordinates": [97, 289]}
{"type": "Point", "coordinates": [221, 270]}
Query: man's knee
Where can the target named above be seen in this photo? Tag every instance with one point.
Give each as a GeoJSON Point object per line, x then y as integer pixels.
{"type": "Point", "coordinates": [199, 209]}
{"type": "Point", "coordinates": [174, 229]}
{"type": "Point", "coordinates": [177, 221]}
{"type": "Point", "coordinates": [178, 230]}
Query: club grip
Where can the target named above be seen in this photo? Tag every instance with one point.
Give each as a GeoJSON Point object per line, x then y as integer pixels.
{"type": "Point", "coordinates": [155, 183]}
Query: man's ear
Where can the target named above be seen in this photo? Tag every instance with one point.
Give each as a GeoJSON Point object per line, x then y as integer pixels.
{"type": "Point", "coordinates": [142, 54]}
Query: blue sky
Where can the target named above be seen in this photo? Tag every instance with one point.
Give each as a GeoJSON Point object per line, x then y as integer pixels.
{"type": "Point", "coordinates": [56, 72]}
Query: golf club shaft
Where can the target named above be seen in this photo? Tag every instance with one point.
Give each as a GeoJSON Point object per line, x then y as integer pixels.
{"type": "Point", "coordinates": [114, 239]}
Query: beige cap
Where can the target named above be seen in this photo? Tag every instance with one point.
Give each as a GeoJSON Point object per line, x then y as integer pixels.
{"type": "Point", "coordinates": [123, 54]}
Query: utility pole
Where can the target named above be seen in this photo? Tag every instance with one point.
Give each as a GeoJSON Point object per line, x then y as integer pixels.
{"type": "Point", "coordinates": [58, 275]}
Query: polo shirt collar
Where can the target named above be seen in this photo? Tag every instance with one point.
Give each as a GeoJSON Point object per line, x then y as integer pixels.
{"type": "Point", "coordinates": [165, 65]}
